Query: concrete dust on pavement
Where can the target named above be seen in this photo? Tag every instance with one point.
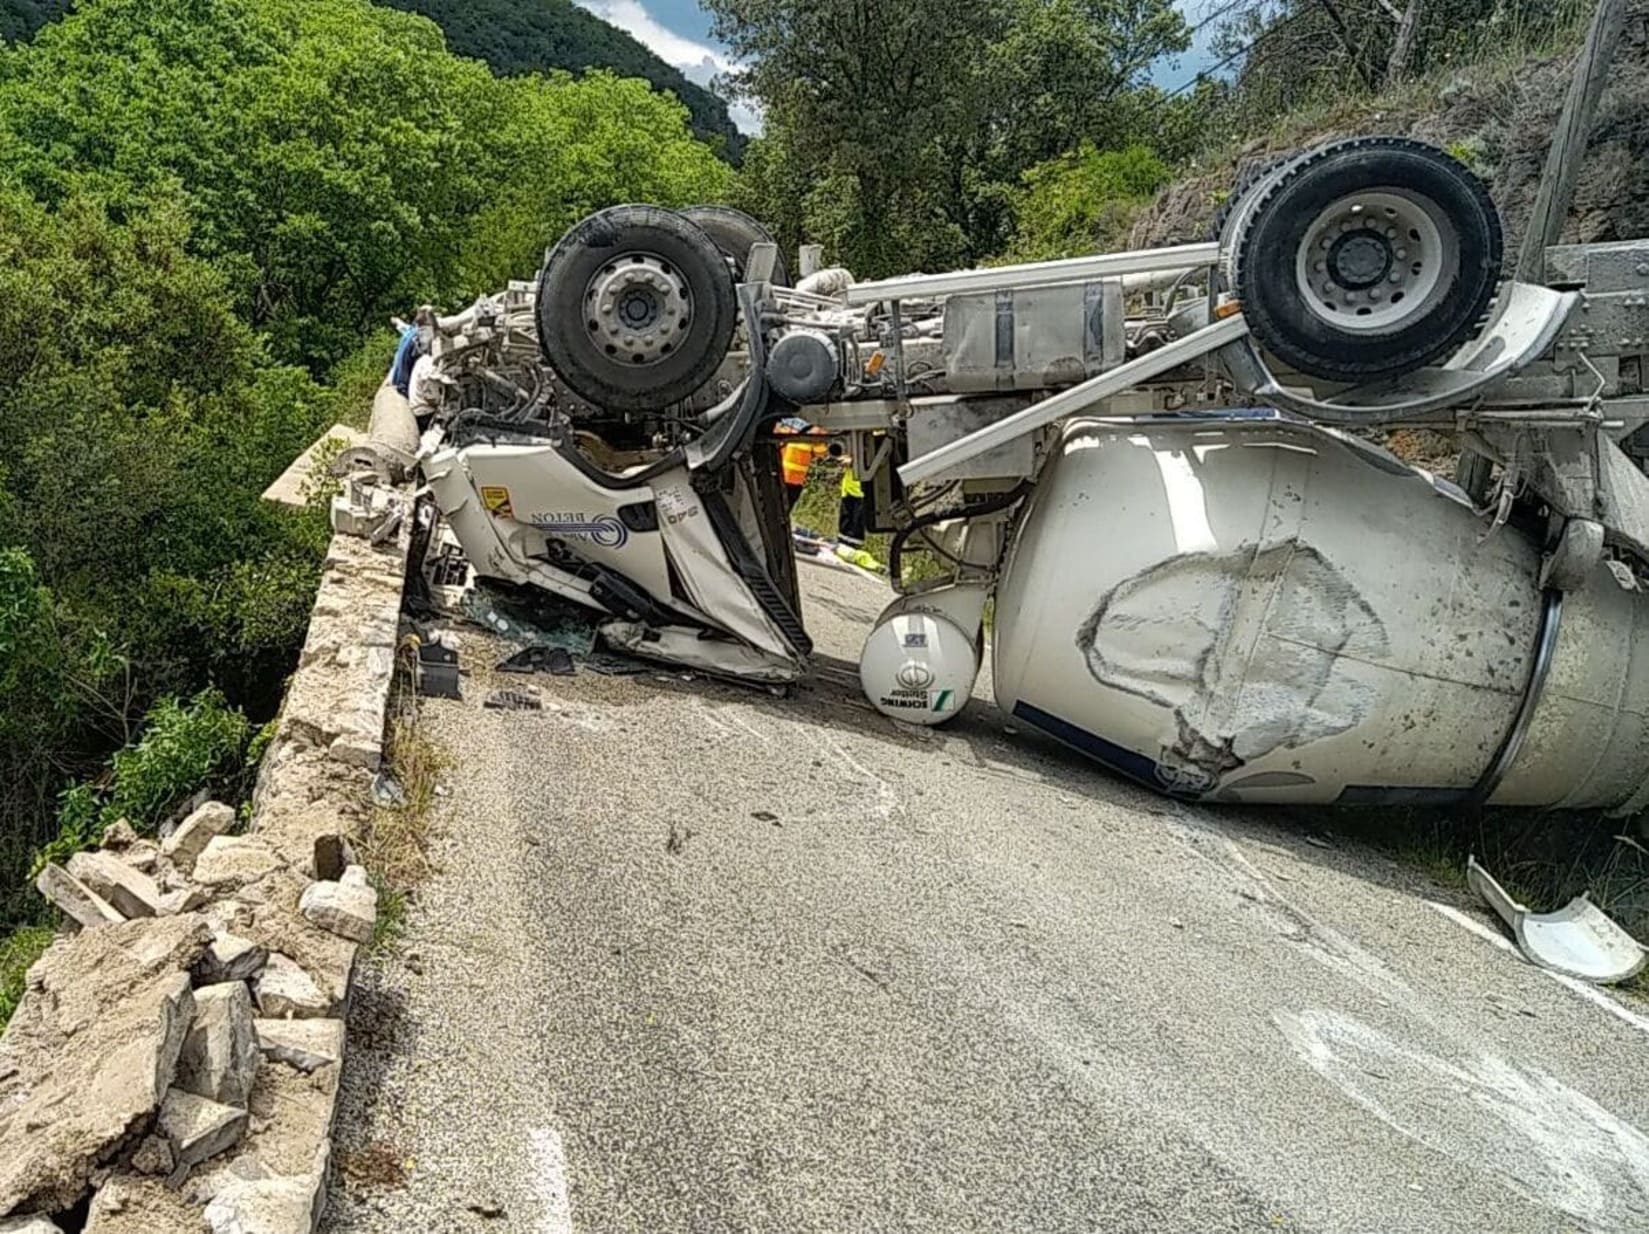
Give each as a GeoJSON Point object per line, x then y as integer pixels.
{"type": "Point", "coordinates": [703, 959]}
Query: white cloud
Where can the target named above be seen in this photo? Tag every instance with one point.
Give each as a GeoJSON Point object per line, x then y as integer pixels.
{"type": "Point", "coordinates": [698, 62]}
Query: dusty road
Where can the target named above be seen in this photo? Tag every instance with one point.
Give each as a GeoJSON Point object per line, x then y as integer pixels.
{"type": "Point", "coordinates": [703, 960]}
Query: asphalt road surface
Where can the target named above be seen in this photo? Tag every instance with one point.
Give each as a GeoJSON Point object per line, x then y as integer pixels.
{"type": "Point", "coordinates": [700, 959]}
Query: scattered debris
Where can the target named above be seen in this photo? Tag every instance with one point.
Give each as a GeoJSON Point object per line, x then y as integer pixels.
{"type": "Point", "coordinates": [387, 792]}
{"type": "Point", "coordinates": [235, 860]}
{"type": "Point", "coordinates": [220, 1054]}
{"type": "Point", "coordinates": [230, 958]}
{"type": "Point", "coordinates": [1578, 940]}
{"type": "Point", "coordinates": [185, 845]}
{"type": "Point", "coordinates": [677, 839]}
{"type": "Point", "coordinates": [513, 700]}
{"type": "Point", "coordinates": [348, 908]}
{"type": "Point", "coordinates": [72, 1098]}
{"type": "Point", "coordinates": [557, 661]}
{"type": "Point", "coordinates": [487, 1210]}
{"type": "Point", "coordinates": [539, 620]}
{"type": "Point", "coordinates": [154, 1156]}
{"type": "Point", "coordinates": [199, 1128]}
{"type": "Point", "coordinates": [131, 892]}
{"type": "Point", "coordinates": [285, 991]}
{"type": "Point", "coordinates": [306, 1045]}
{"type": "Point", "coordinates": [74, 899]}
{"type": "Point", "coordinates": [609, 664]}
{"type": "Point", "coordinates": [437, 673]}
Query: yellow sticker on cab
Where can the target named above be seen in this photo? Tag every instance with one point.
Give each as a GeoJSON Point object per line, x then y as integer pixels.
{"type": "Point", "coordinates": [497, 500]}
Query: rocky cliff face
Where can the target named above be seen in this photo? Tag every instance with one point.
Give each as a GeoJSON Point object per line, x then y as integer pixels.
{"type": "Point", "coordinates": [1498, 119]}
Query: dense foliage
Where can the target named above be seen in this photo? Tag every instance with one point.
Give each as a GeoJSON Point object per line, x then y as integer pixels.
{"type": "Point", "coordinates": [530, 36]}
{"type": "Point", "coordinates": [208, 207]}
{"type": "Point", "coordinates": [19, 19]}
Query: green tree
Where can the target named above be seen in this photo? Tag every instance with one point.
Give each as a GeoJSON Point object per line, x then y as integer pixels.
{"type": "Point", "coordinates": [900, 132]}
{"type": "Point", "coordinates": [1083, 201]}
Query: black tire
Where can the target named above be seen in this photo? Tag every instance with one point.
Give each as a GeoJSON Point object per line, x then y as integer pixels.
{"type": "Point", "coordinates": [1246, 180]}
{"type": "Point", "coordinates": [596, 372]}
{"type": "Point", "coordinates": [1268, 227]}
{"type": "Point", "coordinates": [735, 232]}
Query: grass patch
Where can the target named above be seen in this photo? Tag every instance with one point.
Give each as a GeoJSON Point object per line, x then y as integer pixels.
{"type": "Point", "coordinates": [394, 845]}
{"type": "Point", "coordinates": [18, 951]}
{"type": "Point", "coordinates": [1543, 860]}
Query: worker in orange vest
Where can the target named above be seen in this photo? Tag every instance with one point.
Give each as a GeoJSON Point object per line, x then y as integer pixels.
{"type": "Point", "coordinates": [796, 460]}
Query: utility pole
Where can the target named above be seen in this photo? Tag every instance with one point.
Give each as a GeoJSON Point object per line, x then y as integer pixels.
{"type": "Point", "coordinates": [1568, 148]}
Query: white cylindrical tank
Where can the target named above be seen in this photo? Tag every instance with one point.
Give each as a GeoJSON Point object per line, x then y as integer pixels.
{"type": "Point", "coordinates": [1259, 611]}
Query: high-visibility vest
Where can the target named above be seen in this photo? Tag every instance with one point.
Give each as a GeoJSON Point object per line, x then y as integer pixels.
{"type": "Point", "coordinates": [850, 483]}
{"type": "Point", "coordinates": [796, 458]}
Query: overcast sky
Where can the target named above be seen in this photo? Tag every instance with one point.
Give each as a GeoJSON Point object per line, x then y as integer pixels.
{"type": "Point", "coordinates": [679, 32]}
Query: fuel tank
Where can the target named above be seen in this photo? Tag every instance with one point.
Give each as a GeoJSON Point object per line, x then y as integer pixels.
{"type": "Point", "coordinates": [1269, 612]}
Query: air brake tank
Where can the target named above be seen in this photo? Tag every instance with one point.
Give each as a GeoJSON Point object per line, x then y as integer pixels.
{"type": "Point", "coordinates": [1261, 611]}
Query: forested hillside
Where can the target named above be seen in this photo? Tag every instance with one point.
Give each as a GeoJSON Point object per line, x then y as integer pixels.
{"type": "Point", "coordinates": [209, 209]}
{"type": "Point", "coordinates": [513, 36]}
{"type": "Point", "coordinates": [528, 36]}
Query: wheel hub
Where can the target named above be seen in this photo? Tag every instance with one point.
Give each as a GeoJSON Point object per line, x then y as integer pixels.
{"type": "Point", "coordinates": [1359, 259]}
{"type": "Point", "coordinates": [637, 310]}
{"type": "Point", "coordinates": [1372, 262]}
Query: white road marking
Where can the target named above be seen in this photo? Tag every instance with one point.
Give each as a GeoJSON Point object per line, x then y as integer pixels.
{"type": "Point", "coordinates": [1543, 1138]}
{"type": "Point", "coordinates": [887, 800]}
{"type": "Point", "coordinates": [1589, 992]}
{"type": "Point", "coordinates": [551, 1182]}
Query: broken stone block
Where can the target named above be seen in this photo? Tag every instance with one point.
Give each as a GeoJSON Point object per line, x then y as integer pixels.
{"type": "Point", "coordinates": [332, 857]}
{"type": "Point", "coordinates": [283, 1205]}
{"type": "Point", "coordinates": [143, 856]}
{"type": "Point", "coordinates": [74, 899]}
{"type": "Point", "coordinates": [28, 1225]}
{"type": "Point", "coordinates": [206, 1183]}
{"type": "Point", "coordinates": [220, 1054]}
{"type": "Point", "coordinates": [153, 1156]}
{"type": "Point", "coordinates": [285, 992]}
{"type": "Point", "coordinates": [347, 909]}
{"type": "Point", "coordinates": [198, 1128]}
{"type": "Point", "coordinates": [119, 834]}
{"type": "Point", "coordinates": [356, 876]}
{"type": "Point", "coordinates": [90, 1053]}
{"type": "Point", "coordinates": [307, 1045]}
{"type": "Point", "coordinates": [185, 845]}
{"type": "Point", "coordinates": [132, 892]}
{"type": "Point", "coordinates": [235, 861]}
{"type": "Point", "coordinates": [183, 900]}
{"type": "Point", "coordinates": [141, 1204]}
{"type": "Point", "coordinates": [230, 958]}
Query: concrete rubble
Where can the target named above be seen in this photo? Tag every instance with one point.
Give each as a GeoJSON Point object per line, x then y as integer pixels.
{"type": "Point", "coordinates": [131, 892]}
{"type": "Point", "coordinates": [185, 845]}
{"type": "Point", "coordinates": [305, 1045]}
{"type": "Point", "coordinates": [348, 907]}
{"type": "Point", "coordinates": [234, 861]}
{"type": "Point", "coordinates": [90, 1053]}
{"type": "Point", "coordinates": [175, 1057]}
{"type": "Point", "coordinates": [230, 958]}
{"type": "Point", "coordinates": [220, 1055]}
{"type": "Point", "coordinates": [73, 898]}
{"type": "Point", "coordinates": [285, 992]}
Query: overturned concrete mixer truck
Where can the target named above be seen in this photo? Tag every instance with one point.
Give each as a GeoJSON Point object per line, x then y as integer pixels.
{"type": "Point", "coordinates": [1153, 462]}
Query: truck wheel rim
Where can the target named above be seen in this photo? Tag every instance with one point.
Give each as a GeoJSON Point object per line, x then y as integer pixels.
{"type": "Point", "coordinates": [1372, 263]}
{"type": "Point", "coordinates": [637, 309]}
